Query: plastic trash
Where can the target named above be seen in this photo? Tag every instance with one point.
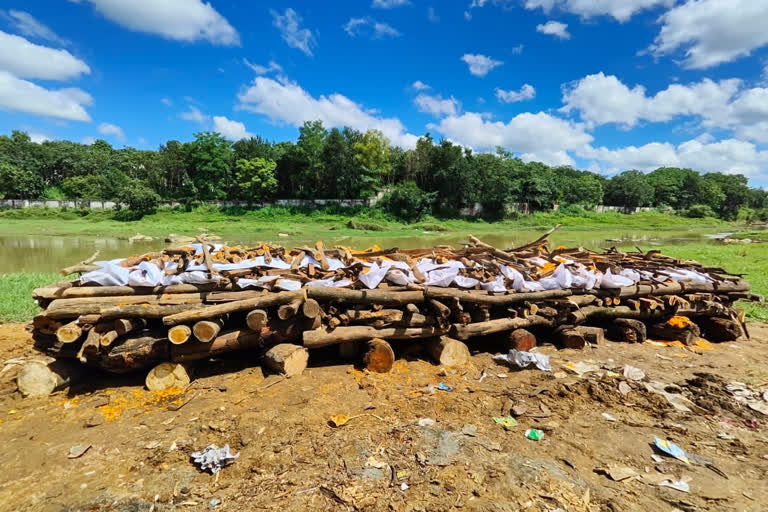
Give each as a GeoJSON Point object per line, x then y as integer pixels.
{"type": "Point", "coordinates": [426, 422]}
{"type": "Point", "coordinates": [507, 422]}
{"type": "Point", "coordinates": [523, 360]}
{"type": "Point", "coordinates": [678, 485]}
{"type": "Point", "coordinates": [632, 373]}
{"type": "Point", "coordinates": [443, 387]}
{"type": "Point", "coordinates": [213, 458]}
{"type": "Point", "coordinates": [534, 434]}
{"type": "Point", "coordinates": [671, 449]}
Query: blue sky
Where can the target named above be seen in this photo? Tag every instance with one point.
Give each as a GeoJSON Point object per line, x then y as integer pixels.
{"type": "Point", "coordinates": [607, 85]}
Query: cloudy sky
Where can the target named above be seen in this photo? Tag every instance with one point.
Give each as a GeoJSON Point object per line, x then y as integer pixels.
{"type": "Point", "coordinates": [607, 85]}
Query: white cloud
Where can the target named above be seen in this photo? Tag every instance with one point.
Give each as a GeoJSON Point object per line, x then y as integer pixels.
{"type": "Point", "coordinates": [289, 26]}
{"type": "Point", "coordinates": [23, 96]}
{"type": "Point", "coordinates": [357, 26]}
{"type": "Point", "coordinates": [112, 129]}
{"type": "Point", "coordinates": [28, 25]}
{"type": "Point", "coordinates": [480, 65]}
{"type": "Point", "coordinates": [516, 50]}
{"type": "Point", "coordinates": [233, 130]}
{"type": "Point", "coordinates": [179, 20]}
{"type": "Point", "coordinates": [437, 105]}
{"type": "Point", "coordinates": [621, 10]}
{"type": "Point", "coordinates": [601, 99]}
{"type": "Point", "coordinates": [28, 60]}
{"type": "Point", "coordinates": [537, 136]}
{"type": "Point", "coordinates": [554, 28]}
{"type": "Point", "coordinates": [388, 4]}
{"type": "Point", "coordinates": [432, 15]}
{"type": "Point", "coordinates": [263, 70]}
{"type": "Point", "coordinates": [712, 31]}
{"type": "Point", "coordinates": [729, 155]}
{"type": "Point", "coordinates": [526, 92]}
{"type": "Point", "coordinates": [420, 86]}
{"type": "Point", "coordinates": [166, 101]}
{"type": "Point", "coordinates": [287, 102]}
{"type": "Point", "coordinates": [194, 115]}
{"type": "Point", "coordinates": [481, 3]}
{"type": "Point", "coordinates": [38, 138]}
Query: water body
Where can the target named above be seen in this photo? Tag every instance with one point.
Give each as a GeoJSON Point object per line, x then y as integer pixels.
{"type": "Point", "coordinates": [44, 253]}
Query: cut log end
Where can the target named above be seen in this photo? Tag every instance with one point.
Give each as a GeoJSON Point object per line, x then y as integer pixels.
{"type": "Point", "coordinates": [256, 319]}
{"type": "Point", "coordinates": [287, 359]}
{"type": "Point", "coordinates": [310, 308]}
{"type": "Point", "coordinates": [179, 334]}
{"type": "Point", "coordinates": [205, 330]}
{"type": "Point", "coordinates": [449, 352]}
{"type": "Point", "coordinates": [379, 358]}
{"type": "Point", "coordinates": [521, 339]}
{"type": "Point", "coordinates": [69, 333]}
{"type": "Point", "coordinates": [167, 375]}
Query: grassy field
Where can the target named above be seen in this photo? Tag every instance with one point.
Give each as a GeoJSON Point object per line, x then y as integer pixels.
{"type": "Point", "coordinates": [16, 303]}
{"type": "Point", "coordinates": [267, 222]}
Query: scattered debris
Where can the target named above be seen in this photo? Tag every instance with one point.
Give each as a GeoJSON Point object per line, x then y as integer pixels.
{"type": "Point", "coordinates": [443, 387]}
{"type": "Point", "coordinates": [507, 422]}
{"type": "Point", "coordinates": [213, 458]}
{"type": "Point", "coordinates": [671, 449]}
{"type": "Point", "coordinates": [525, 360]}
{"type": "Point", "coordinates": [678, 485]}
{"type": "Point", "coordinates": [78, 451]}
{"type": "Point", "coordinates": [608, 417]}
{"type": "Point", "coordinates": [632, 373]}
{"type": "Point", "coordinates": [534, 434]}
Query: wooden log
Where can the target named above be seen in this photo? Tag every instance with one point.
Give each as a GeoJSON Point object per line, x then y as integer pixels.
{"type": "Point", "coordinates": [311, 308]}
{"type": "Point", "coordinates": [71, 308]}
{"type": "Point", "coordinates": [207, 256]}
{"type": "Point", "coordinates": [434, 292]}
{"type": "Point", "coordinates": [448, 351]}
{"type": "Point", "coordinates": [146, 311]}
{"type": "Point", "coordinates": [71, 292]}
{"type": "Point", "coordinates": [629, 330]}
{"type": "Point", "coordinates": [385, 297]}
{"type": "Point", "coordinates": [287, 311]}
{"type": "Point", "coordinates": [272, 299]}
{"type": "Point", "coordinates": [108, 338]}
{"type": "Point", "coordinates": [379, 357]}
{"type": "Point", "coordinates": [385, 317]}
{"type": "Point", "coordinates": [136, 352]}
{"type": "Point", "coordinates": [82, 267]}
{"type": "Point", "coordinates": [719, 329]}
{"type": "Point", "coordinates": [322, 337]}
{"type": "Point", "coordinates": [125, 325]}
{"type": "Point", "coordinates": [206, 330]}
{"type": "Point", "coordinates": [179, 334]}
{"type": "Point", "coordinates": [90, 346]}
{"type": "Point", "coordinates": [677, 328]}
{"type": "Point", "coordinates": [521, 339]}
{"type": "Point", "coordinates": [167, 375]}
{"type": "Point", "coordinates": [287, 359]}
{"type": "Point", "coordinates": [480, 314]}
{"type": "Point", "coordinates": [37, 378]}
{"type": "Point", "coordinates": [580, 336]}
{"type": "Point", "coordinates": [69, 333]}
{"type": "Point", "coordinates": [230, 341]}
{"type": "Point", "coordinates": [256, 319]}
{"type": "Point", "coordinates": [45, 325]}
{"type": "Point", "coordinates": [439, 309]}
{"type": "Point", "coordinates": [88, 319]}
{"type": "Point", "coordinates": [464, 332]}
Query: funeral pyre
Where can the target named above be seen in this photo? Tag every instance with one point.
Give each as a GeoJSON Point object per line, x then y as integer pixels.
{"type": "Point", "coordinates": [203, 300]}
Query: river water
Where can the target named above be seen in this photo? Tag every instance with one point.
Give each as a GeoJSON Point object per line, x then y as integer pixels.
{"type": "Point", "coordinates": [44, 253]}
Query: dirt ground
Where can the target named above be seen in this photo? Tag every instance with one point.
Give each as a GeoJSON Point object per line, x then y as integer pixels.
{"type": "Point", "coordinates": [408, 446]}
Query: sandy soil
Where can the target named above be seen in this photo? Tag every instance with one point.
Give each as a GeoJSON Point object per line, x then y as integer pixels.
{"type": "Point", "coordinates": [382, 459]}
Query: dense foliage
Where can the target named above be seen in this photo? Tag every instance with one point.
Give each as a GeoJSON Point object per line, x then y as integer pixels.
{"type": "Point", "coordinates": [441, 177]}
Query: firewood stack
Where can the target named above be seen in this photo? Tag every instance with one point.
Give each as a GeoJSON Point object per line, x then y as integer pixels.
{"type": "Point", "coordinates": [198, 302]}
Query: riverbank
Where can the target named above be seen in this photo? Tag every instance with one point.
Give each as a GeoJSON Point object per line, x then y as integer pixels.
{"type": "Point", "coordinates": [270, 222]}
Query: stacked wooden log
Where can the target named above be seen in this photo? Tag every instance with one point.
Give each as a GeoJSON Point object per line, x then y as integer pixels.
{"type": "Point", "coordinates": [309, 298]}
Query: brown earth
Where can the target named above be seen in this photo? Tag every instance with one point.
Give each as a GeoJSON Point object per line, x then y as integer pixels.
{"type": "Point", "coordinates": [291, 458]}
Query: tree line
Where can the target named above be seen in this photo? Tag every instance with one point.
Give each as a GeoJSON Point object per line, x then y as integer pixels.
{"type": "Point", "coordinates": [434, 177]}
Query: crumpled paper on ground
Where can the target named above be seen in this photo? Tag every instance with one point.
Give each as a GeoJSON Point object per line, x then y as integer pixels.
{"type": "Point", "coordinates": [524, 360]}
{"type": "Point", "coordinates": [213, 458]}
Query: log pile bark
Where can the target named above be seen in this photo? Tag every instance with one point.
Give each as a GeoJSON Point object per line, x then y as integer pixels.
{"type": "Point", "coordinates": [125, 328]}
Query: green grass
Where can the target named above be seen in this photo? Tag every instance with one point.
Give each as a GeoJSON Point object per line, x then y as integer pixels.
{"type": "Point", "coordinates": [16, 304]}
{"type": "Point", "coordinates": [749, 260]}
{"type": "Point", "coordinates": [267, 222]}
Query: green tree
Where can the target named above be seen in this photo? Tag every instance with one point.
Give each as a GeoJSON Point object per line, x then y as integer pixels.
{"type": "Point", "coordinates": [372, 155]}
{"type": "Point", "coordinates": [256, 178]}
{"type": "Point", "coordinates": [629, 189]}
{"type": "Point", "coordinates": [309, 150]}
{"type": "Point", "coordinates": [140, 200]}
{"type": "Point", "coordinates": [210, 157]}
{"type": "Point", "coordinates": [585, 189]}
{"type": "Point", "coordinates": [17, 183]}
